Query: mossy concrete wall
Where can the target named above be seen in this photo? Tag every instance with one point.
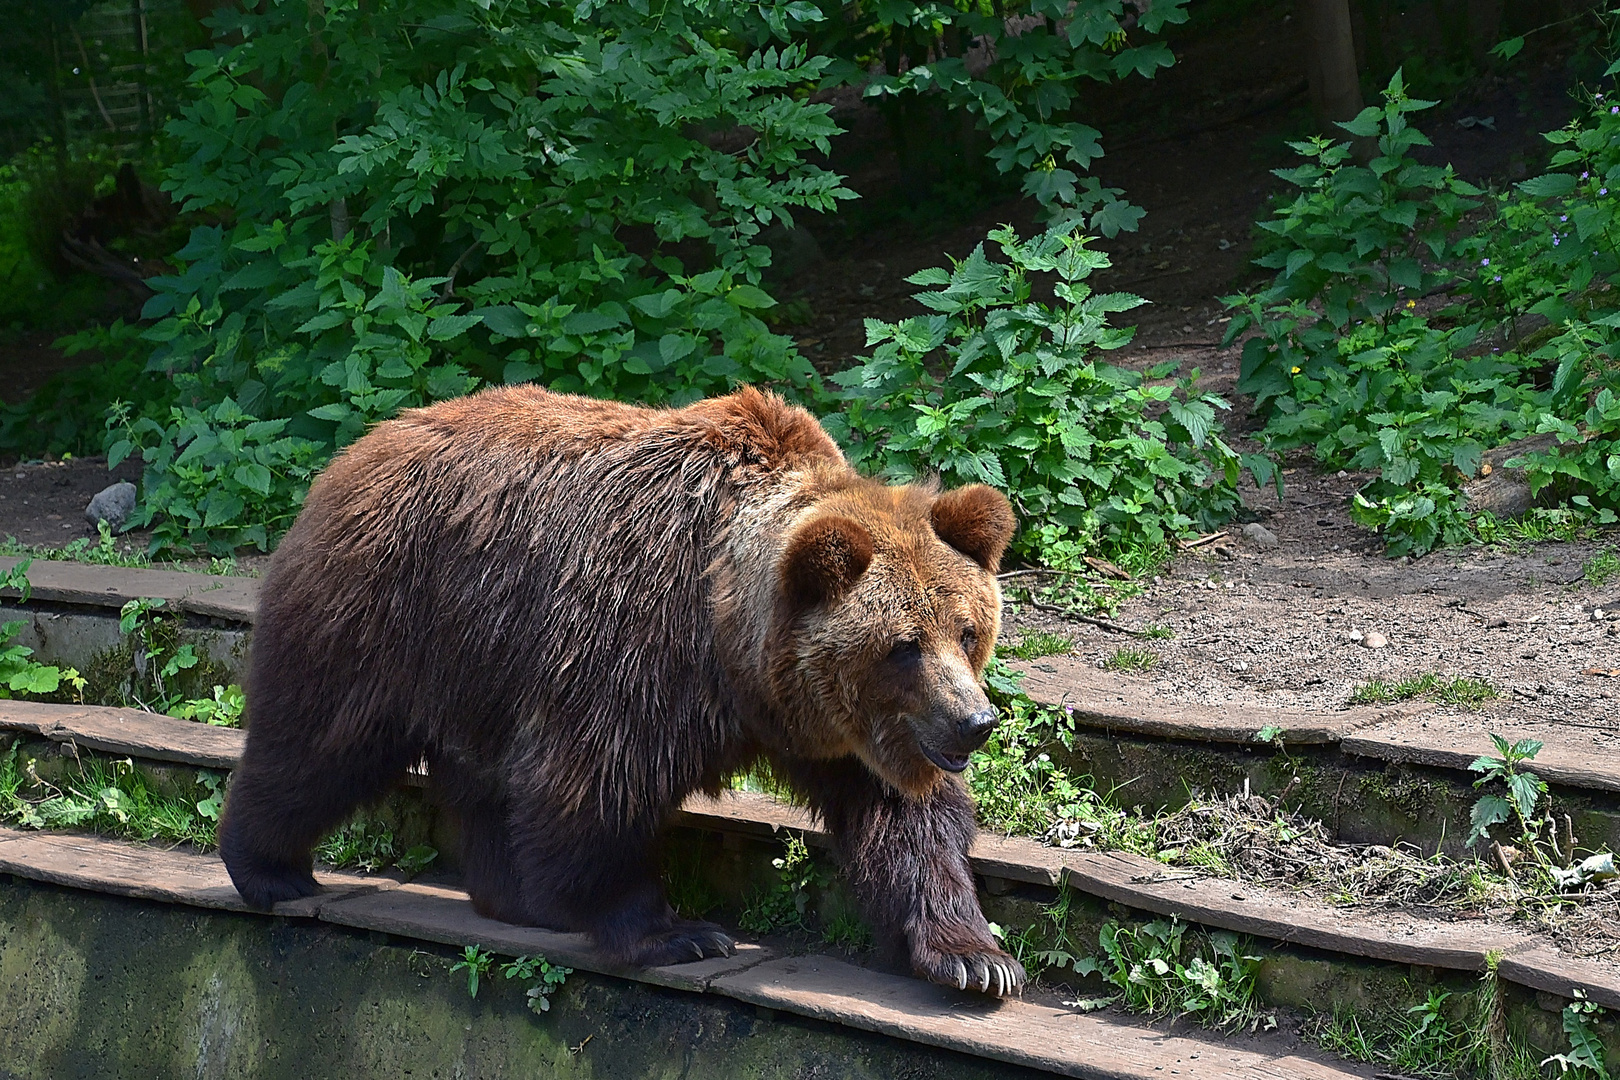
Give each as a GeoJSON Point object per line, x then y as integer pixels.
{"type": "Point", "coordinates": [98, 986]}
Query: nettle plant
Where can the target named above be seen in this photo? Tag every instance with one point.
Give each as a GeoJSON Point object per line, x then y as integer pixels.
{"type": "Point", "coordinates": [996, 387]}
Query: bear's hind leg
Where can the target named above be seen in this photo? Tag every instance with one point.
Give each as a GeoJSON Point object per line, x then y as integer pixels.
{"type": "Point", "coordinates": [281, 804]}
{"type": "Point", "coordinates": [580, 878]}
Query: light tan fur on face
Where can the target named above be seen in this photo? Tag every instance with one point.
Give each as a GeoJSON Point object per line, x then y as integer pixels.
{"type": "Point", "coordinates": [829, 678]}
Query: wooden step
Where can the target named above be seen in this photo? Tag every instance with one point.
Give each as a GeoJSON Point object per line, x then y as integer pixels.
{"type": "Point", "coordinates": [1044, 1037]}
{"type": "Point", "coordinates": [1119, 877]}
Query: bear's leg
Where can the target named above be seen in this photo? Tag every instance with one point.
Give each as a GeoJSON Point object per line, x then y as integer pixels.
{"type": "Point", "coordinates": [906, 859]}
{"type": "Point", "coordinates": [488, 868]}
{"type": "Point", "coordinates": [282, 800]}
{"type": "Point", "coordinates": [580, 875]}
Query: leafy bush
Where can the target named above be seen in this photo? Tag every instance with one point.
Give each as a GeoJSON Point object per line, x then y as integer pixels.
{"type": "Point", "coordinates": [996, 387]}
{"type": "Point", "coordinates": [1343, 363]}
{"type": "Point", "coordinates": [1349, 247]}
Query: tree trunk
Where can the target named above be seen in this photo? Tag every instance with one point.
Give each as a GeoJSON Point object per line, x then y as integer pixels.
{"type": "Point", "coordinates": [1330, 59]}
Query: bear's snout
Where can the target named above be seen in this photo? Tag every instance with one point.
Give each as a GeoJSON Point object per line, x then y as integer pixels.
{"type": "Point", "coordinates": [974, 729]}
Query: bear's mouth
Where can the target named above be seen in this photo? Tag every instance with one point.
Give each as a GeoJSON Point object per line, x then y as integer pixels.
{"type": "Point", "coordinates": [949, 762]}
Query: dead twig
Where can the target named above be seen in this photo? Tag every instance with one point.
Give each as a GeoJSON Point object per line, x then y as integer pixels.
{"type": "Point", "coordinates": [1207, 538]}
{"type": "Point", "coordinates": [1090, 620]}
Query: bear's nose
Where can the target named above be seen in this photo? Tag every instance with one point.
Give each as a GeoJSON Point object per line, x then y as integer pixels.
{"type": "Point", "coordinates": [977, 727]}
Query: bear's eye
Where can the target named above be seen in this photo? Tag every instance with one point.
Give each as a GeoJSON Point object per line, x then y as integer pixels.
{"type": "Point", "coordinates": [906, 651]}
{"type": "Point", "coordinates": [970, 640]}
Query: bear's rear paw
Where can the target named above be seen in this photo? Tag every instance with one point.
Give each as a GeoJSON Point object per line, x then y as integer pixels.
{"type": "Point", "coordinates": [989, 971]}
{"type": "Point", "coordinates": [685, 943]}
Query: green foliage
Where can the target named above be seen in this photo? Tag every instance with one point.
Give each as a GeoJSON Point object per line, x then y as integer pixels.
{"type": "Point", "coordinates": [997, 388]}
{"type": "Point", "coordinates": [114, 798]}
{"type": "Point", "coordinates": [1461, 690]}
{"type": "Point", "coordinates": [1601, 568]}
{"type": "Point", "coordinates": [1345, 365]}
{"type": "Point", "coordinates": [370, 845]}
{"type": "Point", "coordinates": [1586, 1057]}
{"type": "Point", "coordinates": [20, 675]}
{"type": "Point", "coordinates": [1159, 972]}
{"type": "Point", "coordinates": [476, 963]}
{"type": "Point", "coordinates": [158, 655]}
{"type": "Point", "coordinates": [1439, 1037]}
{"type": "Point", "coordinates": [547, 978]}
{"type": "Point", "coordinates": [102, 551]}
{"type": "Point", "coordinates": [1349, 247]}
{"type": "Point", "coordinates": [1133, 660]}
{"type": "Point", "coordinates": [1524, 790]}
{"type": "Point", "coordinates": [224, 709]}
{"type": "Point", "coordinates": [785, 903]}
{"type": "Point", "coordinates": [1034, 644]}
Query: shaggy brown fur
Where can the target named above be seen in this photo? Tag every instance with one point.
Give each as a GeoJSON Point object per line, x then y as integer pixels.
{"type": "Point", "coordinates": [581, 612]}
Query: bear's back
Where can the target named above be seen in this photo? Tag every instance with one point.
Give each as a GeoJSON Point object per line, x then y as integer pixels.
{"type": "Point", "coordinates": [486, 569]}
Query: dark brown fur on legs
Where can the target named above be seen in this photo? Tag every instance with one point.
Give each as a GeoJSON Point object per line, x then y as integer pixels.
{"type": "Point", "coordinates": [581, 612]}
{"type": "Point", "coordinates": [907, 861]}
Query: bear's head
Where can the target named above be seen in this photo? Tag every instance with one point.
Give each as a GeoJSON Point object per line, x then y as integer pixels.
{"type": "Point", "coordinates": [887, 612]}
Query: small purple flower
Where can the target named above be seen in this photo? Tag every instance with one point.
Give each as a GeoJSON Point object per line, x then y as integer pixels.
{"type": "Point", "coordinates": [1484, 262]}
{"type": "Point", "coordinates": [1563, 217]}
{"type": "Point", "coordinates": [1555, 241]}
{"type": "Point", "coordinates": [1498, 277]}
{"type": "Point", "coordinates": [1585, 175]}
{"type": "Point", "coordinates": [1603, 191]}
{"type": "Point", "coordinates": [1614, 109]}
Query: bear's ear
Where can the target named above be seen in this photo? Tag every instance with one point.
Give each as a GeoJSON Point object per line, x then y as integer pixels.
{"type": "Point", "coordinates": [824, 558]}
{"type": "Point", "coordinates": [975, 520]}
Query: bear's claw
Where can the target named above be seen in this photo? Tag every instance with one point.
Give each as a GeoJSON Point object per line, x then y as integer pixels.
{"type": "Point", "coordinates": [687, 943]}
{"type": "Point", "coordinates": [993, 973]}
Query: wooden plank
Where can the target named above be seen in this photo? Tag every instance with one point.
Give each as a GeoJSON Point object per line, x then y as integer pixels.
{"type": "Point", "coordinates": [445, 915]}
{"type": "Point", "coordinates": [151, 736]}
{"type": "Point", "coordinates": [98, 864]}
{"type": "Point", "coordinates": [1099, 699]}
{"type": "Point", "coordinates": [1543, 969]}
{"type": "Point", "coordinates": [1574, 757]}
{"type": "Point", "coordinates": [33, 717]}
{"type": "Point", "coordinates": [1265, 913]}
{"type": "Point", "coordinates": [211, 595]}
{"type": "Point", "coordinates": [1094, 1047]}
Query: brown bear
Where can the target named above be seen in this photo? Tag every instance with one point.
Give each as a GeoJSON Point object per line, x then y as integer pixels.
{"type": "Point", "coordinates": [580, 612]}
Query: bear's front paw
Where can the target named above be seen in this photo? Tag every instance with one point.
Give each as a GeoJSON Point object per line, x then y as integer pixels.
{"type": "Point", "coordinates": [685, 943]}
{"type": "Point", "coordinates": [989, 971]}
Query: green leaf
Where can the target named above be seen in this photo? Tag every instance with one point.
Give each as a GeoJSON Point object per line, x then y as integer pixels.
{"type": "Point", "coordinates": [1488, 810]}
{"type": "Point", "coordinates": [1550, 185]}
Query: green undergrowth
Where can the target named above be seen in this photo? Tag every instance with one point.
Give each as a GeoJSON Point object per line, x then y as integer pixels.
{"type": "Point", "coordinates": [1460, 690]}
{"type": "Point", "coordinates": [114, 797]}
{"type": "Point", "coordinates": [109, 797]}
{"type": "Point", "coordinates": [103, 551]}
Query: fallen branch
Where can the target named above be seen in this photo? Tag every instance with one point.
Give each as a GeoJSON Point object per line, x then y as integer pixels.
{"type": "Point", "coordinates": [1091, 620]}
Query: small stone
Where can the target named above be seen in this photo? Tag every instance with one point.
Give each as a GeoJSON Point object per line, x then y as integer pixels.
{"type": "Point", "coordinates": [1355, 635]}
{"type": "Point", "coordinates": [1261, 535]}
{"type": "Point", "coordinates": [1238, 665]}
{"type": "Point", "coordinates": [1496, 623]}
{"type": "Point", "coordinates": [113, 505]}
{"type": "Point", "coordinates": [1343, 474]}
{"type": "Point", "coordinates": [1598, 614]}
{"type": "Point", "coordinates": [1374, 640]}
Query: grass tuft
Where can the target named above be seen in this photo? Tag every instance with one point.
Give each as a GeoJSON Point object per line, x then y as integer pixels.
{"type": "Point", "coordinates": [1462, 690]}
{"type": "Point", "coordinates": [1129, 659]}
